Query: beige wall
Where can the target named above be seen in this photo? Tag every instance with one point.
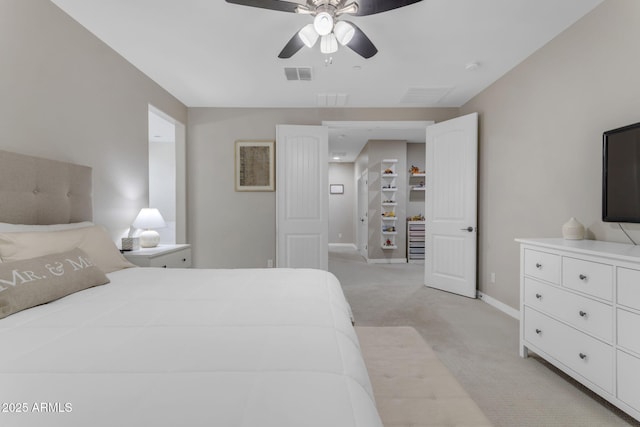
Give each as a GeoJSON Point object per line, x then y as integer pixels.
{"type": "Point", "coordinates": [541, 139]}
{"type": "Point", "coordinates": [67, 96]}
{"type": "Point", "coordinates": [342, 216]}
{"type": "Point", "coordinates": [237, 229]}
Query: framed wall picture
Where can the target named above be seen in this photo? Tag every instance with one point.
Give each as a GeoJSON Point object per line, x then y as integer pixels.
{"type": "Point", "coordinates": [255, 168]}
{"type": "Point", "coordinates": [336, 189]}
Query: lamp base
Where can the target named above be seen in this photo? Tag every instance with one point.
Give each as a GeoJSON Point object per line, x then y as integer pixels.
{"type": "Point", "coordinates": [149, 239]}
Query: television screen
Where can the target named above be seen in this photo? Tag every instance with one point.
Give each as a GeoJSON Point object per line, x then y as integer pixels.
{"type": "Point", "coordinates": [621, 174]}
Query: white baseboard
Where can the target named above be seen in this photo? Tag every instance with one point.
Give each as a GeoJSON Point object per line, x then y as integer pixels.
{"type": "Point", "coordinates": [507, 309]}
{"type": "Point", "coordinates": [386, 260]}
{"type": "Point", "coordinates": [343, 245]}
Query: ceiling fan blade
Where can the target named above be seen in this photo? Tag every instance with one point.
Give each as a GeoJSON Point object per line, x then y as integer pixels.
{"type": "Point", "coordinates": [371, 7]}
{"type": "Point", "coordinates": [282, 6]}
{"type": "Point", "coordinates": [360, 43]}
{"type": "Point", "coordinates": [292, 46]}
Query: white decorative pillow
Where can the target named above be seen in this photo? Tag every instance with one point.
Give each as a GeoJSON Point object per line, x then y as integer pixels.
{"type": "Point", "coordinates": [31, 282]}
{"type": "Point", "coordinates": [94, 240]}
{"type": "Point", "coordinates": [18, 228]}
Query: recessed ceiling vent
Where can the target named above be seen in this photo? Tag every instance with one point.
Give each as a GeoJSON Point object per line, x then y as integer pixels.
{"type": "Point", "coordinates": [425, 95]}
{"type": "Point", "coordinates": [298, 73]}
{"type": "Point", "coordinates": [332, 99]}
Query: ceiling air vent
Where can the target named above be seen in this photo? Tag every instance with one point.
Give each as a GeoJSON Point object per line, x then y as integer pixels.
{"type": "Point", "coordinates": [298, 73]}
{"type": "Point", "coordinates": [332, 99]}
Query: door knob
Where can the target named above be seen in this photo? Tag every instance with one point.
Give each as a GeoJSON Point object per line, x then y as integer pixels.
{"type": "Point", "coordinates": [469, 229]}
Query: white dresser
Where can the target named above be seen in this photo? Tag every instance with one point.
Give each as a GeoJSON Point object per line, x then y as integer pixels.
{"type": "Point", "coordinates": [580, 310]}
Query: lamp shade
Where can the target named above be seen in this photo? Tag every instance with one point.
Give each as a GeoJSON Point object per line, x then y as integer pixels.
{"type": "Point", "coordinates": [344, 32]}
{"type": "Point", "coordinates": [149, 218]}
{"type": "Point", "coordinates": [308, 35]}
{"type": "Point", "coordinates": [323, 23]}
{"type": "Point", "coordinates": [328, 44]}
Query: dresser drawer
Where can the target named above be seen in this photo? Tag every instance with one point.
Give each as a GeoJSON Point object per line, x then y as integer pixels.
{"type": "Point", "coordinates": [628, 379]}
{"type": "Point", "coordinates": [593, 317]}
{"type": "Point", "coordinates": [628, 330]}
{"type": "Point", "coordinates": [587, 356]}
{"type": "Point", "coordinates": [592, 278]}
{"type": "Point", "coordinates": [178, 259]}
{"type": "Point", "coordinates": [629, 287]}
{"type": "Point", "coordinates": [542, 265]}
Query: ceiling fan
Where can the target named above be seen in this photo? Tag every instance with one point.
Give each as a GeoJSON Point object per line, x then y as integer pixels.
{"type": "Point", "coordinates": [327, 25]}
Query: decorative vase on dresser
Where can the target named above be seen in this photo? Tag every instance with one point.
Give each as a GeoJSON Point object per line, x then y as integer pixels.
{"type": "Point", "coordinates": [580, 311]}
{"type": "Point", "coordinates": [573, 230]}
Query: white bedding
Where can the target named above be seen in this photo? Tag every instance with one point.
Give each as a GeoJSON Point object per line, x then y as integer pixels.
{"type": "Point", "coordinates": [172, 347]}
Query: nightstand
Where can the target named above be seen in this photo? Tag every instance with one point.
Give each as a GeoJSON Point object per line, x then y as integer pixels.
{"type": "Point", "coordinates": [164, 256]}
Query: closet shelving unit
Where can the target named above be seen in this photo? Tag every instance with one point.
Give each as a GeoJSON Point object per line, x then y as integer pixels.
{"type": "Point", "coordinates": [415, 241]}
{"type": "Point", "coordinates": [388, 179]}
{"type": "Point", "coordinates": [416, 181]}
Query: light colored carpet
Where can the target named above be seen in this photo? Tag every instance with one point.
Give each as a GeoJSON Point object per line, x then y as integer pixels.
{"type": "Point", "coordinates": [411, 386]}
{"type": "Point", "coordinates": [477, 343]}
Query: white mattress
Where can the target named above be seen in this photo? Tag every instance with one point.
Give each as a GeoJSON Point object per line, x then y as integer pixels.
{"type": "Point", "coordinates": [173, 347]}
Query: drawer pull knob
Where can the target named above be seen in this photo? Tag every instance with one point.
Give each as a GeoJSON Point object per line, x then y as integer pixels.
{"type": "Point", "coordinates": [538, 265]}
{"type": "Point", "coordinates": [583, 313]}
{"type": "Point", "coordinates": [582, 277]}
{"type": "Point", "coordinates": [583, 356]}
{"type": "Point", "coordinates": [538, 331]}
{"type": "Point", "coordinates": [539, 296]}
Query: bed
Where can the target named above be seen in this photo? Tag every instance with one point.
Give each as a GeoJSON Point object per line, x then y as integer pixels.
{"type": "Point", "coordinates": [163, 347]}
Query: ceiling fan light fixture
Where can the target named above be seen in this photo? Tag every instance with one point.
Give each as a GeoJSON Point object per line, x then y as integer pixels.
{"type": "Point", "coordinates": [350, 8]}
{"type": "Point", "coordinates": [344, 32]}
{"type": "Point", "coordinates": [308, 35]}
{"type": "Point", "coordinates": [323, 23]}
{"type": "Point", "coordinates": [328, 44]}
{"type": "Point", "coordinates": [304, 10]}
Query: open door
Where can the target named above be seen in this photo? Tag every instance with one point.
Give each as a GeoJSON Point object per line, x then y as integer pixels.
{"type": "Point", "coordinates": [451, 205]}
{"type": "Point", "coordinates": [363, 215]}
{"type": "Point", "coordinates": [302, 200]}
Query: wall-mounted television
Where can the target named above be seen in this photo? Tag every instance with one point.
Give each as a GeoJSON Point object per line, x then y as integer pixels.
{"type": "Point", "coordinates": [621, 174]}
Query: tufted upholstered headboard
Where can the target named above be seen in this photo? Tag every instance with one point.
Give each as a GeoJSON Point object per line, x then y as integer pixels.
{"type": "Point", "coordinates": [34, 190]}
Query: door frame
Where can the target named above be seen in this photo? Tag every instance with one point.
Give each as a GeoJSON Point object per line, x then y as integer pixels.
{"type": "Point", "coordinates": [362, 222]}
{"type": "Point", "coordinates": [373, 127]}
{"type": "Point", "coordinates": [180, 158]}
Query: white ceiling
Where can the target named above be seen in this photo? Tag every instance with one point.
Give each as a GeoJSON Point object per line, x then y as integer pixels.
{"type": "Point", "coordinates": [209, 53]}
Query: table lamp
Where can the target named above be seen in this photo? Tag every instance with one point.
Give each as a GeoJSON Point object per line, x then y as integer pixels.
{"type": "Point", "coordinates": [148, 219]}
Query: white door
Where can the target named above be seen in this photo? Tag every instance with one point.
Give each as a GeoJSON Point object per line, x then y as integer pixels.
{"type": "Point", "coordinates": [302, 201]}
{"type": "Point", "coordinates": [451, 205]}
{"type": "Point", "coordinates": [363, 212]}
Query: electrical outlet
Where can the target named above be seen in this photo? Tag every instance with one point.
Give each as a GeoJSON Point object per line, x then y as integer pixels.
{"type": "Point", "coordinates": [492, 277]}
{"type": "Point", "coordinates": [339, 235]}
{"type": "Point", "coordinates": [269, 263]}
